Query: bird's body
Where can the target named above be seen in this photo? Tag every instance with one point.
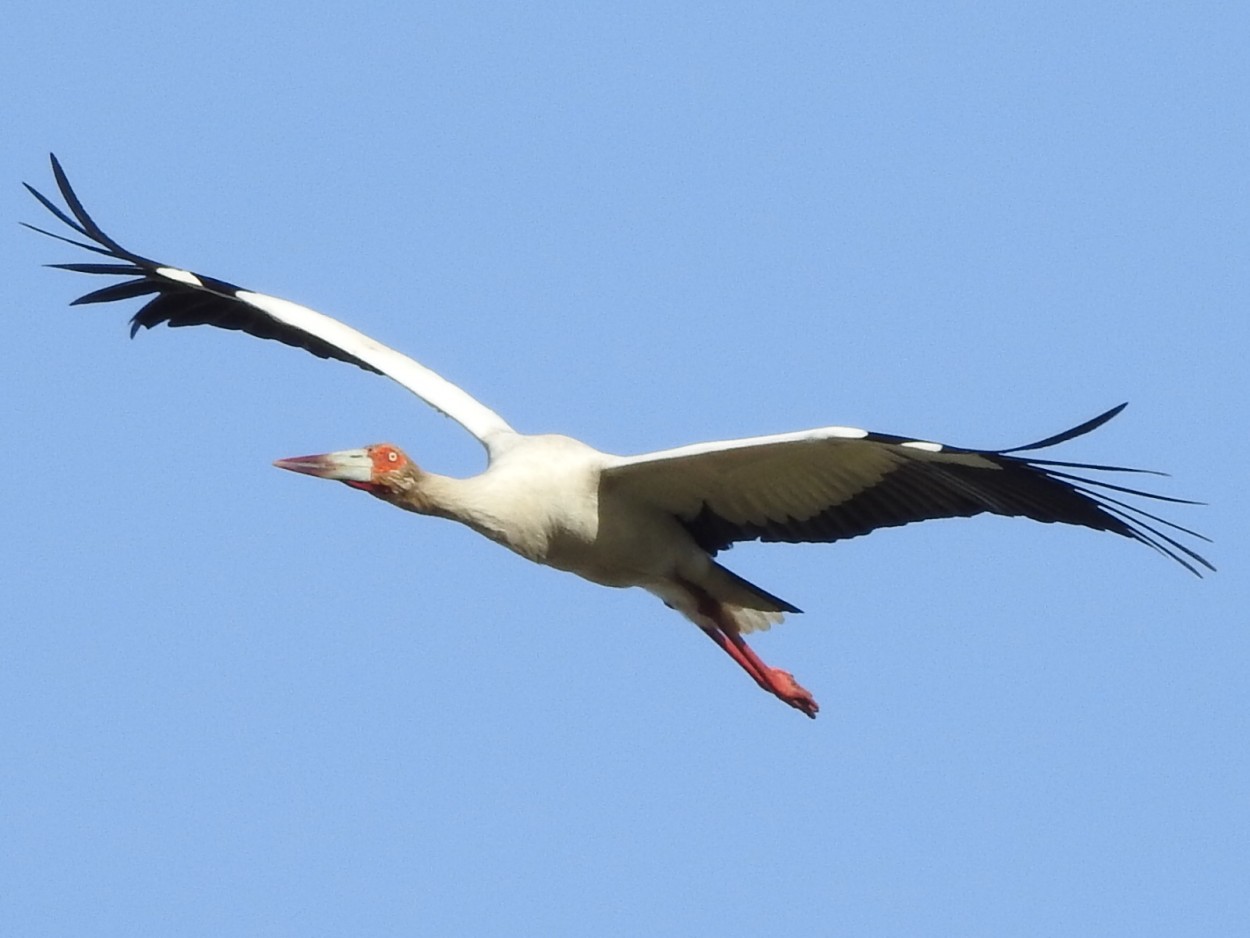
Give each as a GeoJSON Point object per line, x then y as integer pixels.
{"type": "Point", "coordinates": [657, 520]}
{"type": "Point", "coordinates": [540, 498]}
{"type": "Point", "coordinates": [551, 499]}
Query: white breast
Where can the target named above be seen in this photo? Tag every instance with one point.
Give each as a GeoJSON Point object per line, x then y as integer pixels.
{"type": "Point", "coordinates": [542, 499]}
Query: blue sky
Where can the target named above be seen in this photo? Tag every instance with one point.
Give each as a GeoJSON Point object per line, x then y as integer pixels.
{"type": "Point", "coordinates": [236, 701]}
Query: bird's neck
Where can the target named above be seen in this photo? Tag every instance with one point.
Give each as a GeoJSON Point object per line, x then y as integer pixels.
{"type": "Point", "coordinates": [426, 493]}
{"type": "Point", "coordinates": [467, 501]}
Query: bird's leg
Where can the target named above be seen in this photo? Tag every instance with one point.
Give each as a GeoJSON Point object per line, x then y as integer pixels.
{"type": "Point", "coordinates": [779, 683]}
{"type": "Point", "coordinates": [725, 645]}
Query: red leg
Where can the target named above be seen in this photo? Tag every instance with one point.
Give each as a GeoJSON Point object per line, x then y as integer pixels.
{"type": "Point", "coordinates": [779, 683]}
{"type": "Point", "coordinates": [724, 644]}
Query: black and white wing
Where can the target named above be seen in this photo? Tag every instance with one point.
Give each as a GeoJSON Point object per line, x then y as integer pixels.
{"type": "Point", "coordinates": [183, 298]}
{"type": "Point", "coordinates": [840, 482]}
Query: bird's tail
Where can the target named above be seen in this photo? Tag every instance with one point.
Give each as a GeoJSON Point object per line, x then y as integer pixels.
{"type": "Point", "coordinates": [753, 609]}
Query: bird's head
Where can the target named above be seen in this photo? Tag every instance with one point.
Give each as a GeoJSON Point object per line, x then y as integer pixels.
{"type": "Point", "coordinates": [383, 469]}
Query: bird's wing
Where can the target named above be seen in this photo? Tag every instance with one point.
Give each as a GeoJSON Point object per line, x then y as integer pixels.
{"type": "Point", "coordinates": [839, 482]}
{"type": "Point", "coordinates": [182, 298]}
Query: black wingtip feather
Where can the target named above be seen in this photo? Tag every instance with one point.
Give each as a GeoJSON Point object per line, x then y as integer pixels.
{"type": "Point", "coordinates": [119, 269]}
{"type": "Point", "coordinates": [1080, 430]}
{"type": "Point", "coordinates": [78, 244]}
{"type": "Point", "coordinates": [118, 291]}
{"type": "Point", "coordinates": [87, 223]}
{"type": "Point", "coordinates": [54, 209]}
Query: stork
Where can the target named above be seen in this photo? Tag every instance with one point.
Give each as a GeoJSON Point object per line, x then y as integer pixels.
{"type": "Point", "coordinates": [657, 520]}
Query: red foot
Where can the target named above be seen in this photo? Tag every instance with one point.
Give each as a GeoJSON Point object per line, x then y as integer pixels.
{"type": "Point", "coordinates": [781, 684]}
{"type": "Point", "coordinates": [790, 691]}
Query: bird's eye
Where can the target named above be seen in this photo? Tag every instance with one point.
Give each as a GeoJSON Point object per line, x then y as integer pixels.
{"type": "Point", "coordinates": [393, 456]}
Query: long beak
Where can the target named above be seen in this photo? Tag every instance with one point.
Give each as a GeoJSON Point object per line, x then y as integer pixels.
{"type": "Point", "coordinates": [349, 465]}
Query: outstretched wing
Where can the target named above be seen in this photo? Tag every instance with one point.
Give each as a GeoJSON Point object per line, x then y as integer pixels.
{"type": "Point", "coordinates": [182, 298]}
{"type": "Point", "coordinates": [839, 482]}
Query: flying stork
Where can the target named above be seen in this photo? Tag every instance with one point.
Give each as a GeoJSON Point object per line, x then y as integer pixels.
{"type": "Point", "coordinates": [657, 520]}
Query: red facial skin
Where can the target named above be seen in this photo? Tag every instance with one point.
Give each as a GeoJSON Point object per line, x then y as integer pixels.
{"type": "Point", "coordinates": [386, 458]}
